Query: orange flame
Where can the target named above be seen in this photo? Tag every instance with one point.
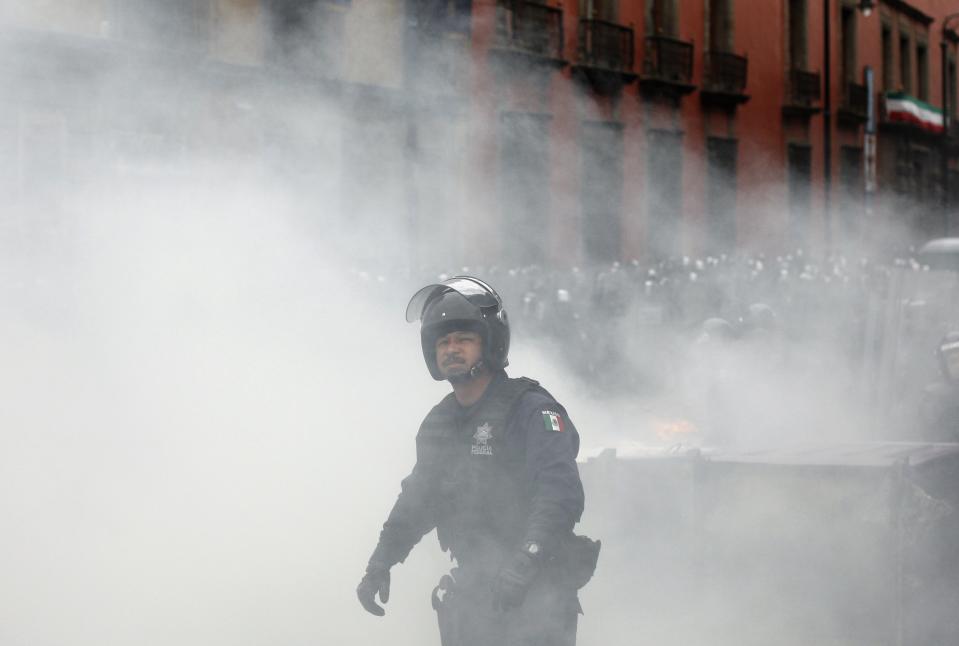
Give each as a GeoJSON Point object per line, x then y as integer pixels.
{"type": "Point", "coordinates": [668, 431]}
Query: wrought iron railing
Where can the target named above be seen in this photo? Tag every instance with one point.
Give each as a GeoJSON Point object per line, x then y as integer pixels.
{"type": "Point", "coordinates": [855, 99]}
{"type": "Point", "coordinates": [804, 88]}
{"type": "Point", "coordinates": [607, 45]}
{"type": "Point", "coordinates": [531, 27]}
{"type": "Point", "coordinates": [668, 59]}
{"type": "Point", "coordinates": [724, 72]}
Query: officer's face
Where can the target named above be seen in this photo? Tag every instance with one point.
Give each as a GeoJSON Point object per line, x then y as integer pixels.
{"type": "Point", "coordinates": [457, 352]}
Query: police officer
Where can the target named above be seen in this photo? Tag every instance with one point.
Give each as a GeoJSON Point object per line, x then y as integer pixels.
{"type": "Point", "coordinates": [496, 475]}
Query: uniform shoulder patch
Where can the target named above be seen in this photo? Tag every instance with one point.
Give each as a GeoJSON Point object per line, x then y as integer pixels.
{"type": "Point", "coordinates": [553, 421]}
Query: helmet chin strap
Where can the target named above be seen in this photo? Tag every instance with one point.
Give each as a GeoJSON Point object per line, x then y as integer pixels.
{"type": "Point", "coordinates": [475, 370]}
{"type": "Point", "coordinates": [471, 374]}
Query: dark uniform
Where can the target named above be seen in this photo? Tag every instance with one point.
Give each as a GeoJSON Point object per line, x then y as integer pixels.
{"type": "Point", "coordinates": [498, 480]}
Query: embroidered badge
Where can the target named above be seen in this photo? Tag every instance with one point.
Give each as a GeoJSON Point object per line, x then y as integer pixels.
{"type": "Point", "coordinates": [553, 421]}
{"type": "Point", "coordinates": [481, 440]}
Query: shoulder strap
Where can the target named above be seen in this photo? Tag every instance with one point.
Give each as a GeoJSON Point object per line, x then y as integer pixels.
{"type": "Point", "coordinates": [440, 417]}
{"type": "Point", "coordinates": [535, 386]}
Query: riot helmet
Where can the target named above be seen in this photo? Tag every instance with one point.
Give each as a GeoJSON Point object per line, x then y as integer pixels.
{"type": "Point", "coordinates": [759, 320]}
{"type": "Point", "coordinates": [948, 352]}
{"type": "Point", "coordinates": [715, 331]}
{"type": "Point", "coordinates": [462, 303]}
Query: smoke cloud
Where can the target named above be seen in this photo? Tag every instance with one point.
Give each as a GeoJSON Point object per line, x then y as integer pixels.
{"type": "Point", "coordinates": [210, 394]}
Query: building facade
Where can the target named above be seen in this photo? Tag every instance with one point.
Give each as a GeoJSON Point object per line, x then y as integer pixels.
{"type": "Point", "coordinates": [563, 132]}
{"type": "Point", "coordinates": [668, 127]}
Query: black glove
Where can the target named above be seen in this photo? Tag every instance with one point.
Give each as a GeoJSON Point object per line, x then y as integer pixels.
{"type": "Point", "coordinates": [513, 581]}
{"type": "Point", "coordinates": [376, 580]}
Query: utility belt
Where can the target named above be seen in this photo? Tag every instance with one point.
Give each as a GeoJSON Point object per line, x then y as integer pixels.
{"type": "Point", "coordinates": [578, 556]}
{"type": "Point", "coordinates": [475, 547]}
{"type": "Point", "coordinates": [470, 585]}
{"type": "Point", "coordinates": [572, 565]}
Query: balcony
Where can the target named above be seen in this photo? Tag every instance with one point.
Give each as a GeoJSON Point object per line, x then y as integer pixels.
{"type": "Point", "coordinates": [854, 109]}
{"type": "Point", "coordinates": [529, 30]}
{"type": "Point", "coordinates": [667, 66]}
{"type": "Point", "coordinates": [803, 93]}
{"type": "Point", "coordinates": [724, 79]}
{"type": "Point", "coordinates": [606, 53]}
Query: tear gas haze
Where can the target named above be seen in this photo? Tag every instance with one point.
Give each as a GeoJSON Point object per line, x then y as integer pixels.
{"type": "Point", "coordinates": [211, 394]}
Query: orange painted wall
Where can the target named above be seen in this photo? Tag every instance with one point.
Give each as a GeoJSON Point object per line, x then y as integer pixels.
{"type": "Point", "coordinates": [760, 28]}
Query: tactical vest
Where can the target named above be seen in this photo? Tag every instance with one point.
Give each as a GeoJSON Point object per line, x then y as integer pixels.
{"type": "Point", "coordinates": [481, 497]}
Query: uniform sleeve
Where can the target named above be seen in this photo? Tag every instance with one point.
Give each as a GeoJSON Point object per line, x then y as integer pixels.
{"type": "Point", "coordinates": [413, 514]}
{"type": "Point", "coordinates": [557, 499]}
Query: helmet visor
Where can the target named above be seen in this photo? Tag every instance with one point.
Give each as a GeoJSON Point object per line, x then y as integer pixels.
{"type": "Point", "coordinates": [474, 290]}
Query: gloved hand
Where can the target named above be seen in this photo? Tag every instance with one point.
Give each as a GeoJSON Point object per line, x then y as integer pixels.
{"type": "Point", "coordinates": [376, 580]}
{"type": "Point", "coordinates": [513, 581]}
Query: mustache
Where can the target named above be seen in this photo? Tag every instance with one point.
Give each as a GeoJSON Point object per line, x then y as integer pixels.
{"type": "Point", "coordinates": [453, 359]}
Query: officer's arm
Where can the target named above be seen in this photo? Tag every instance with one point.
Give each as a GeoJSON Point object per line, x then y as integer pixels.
{"type": "Point", "coordinates": [556, 490]}
{"type": "Point", "coordinates": [414, 513]}
{"type": "Point", "coordinates": [411, 518]}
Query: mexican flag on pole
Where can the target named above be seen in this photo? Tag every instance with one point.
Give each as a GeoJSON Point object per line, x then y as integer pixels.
{"type": "Point", "coordinates": [902, 108]}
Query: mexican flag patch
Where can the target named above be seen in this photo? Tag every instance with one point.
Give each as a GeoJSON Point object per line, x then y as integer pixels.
{"type": "Point", "coordinates": [553, 421]}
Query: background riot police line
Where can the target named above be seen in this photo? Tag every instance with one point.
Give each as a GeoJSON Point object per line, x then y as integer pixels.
{"type": "Point", "coordinates": [855, 338]}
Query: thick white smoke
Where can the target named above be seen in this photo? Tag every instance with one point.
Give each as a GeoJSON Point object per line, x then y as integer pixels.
{"type": "Point", "coordinates": [210, 394]}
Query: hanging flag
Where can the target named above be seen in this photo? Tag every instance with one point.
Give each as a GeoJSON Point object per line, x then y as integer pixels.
{"type": "Point", "coordinates": [902, 108]}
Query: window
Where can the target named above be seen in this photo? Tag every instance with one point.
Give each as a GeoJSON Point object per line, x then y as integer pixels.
{"type": "Point", "coordinates": [720, 26]}
{"type": "Point", "coordinates": [905, 65]}
{"type": "Point", "coordinates": [915, 172]}
{"type": "Point", "coordinates": [952, 81]}
{"type": "Point", "coordinates": [923, 187]}
{"type": "Point", "coordinates": [662, 18]}
{"type": "Point", "coordinates": [458, 14]}
{"type": "Point", "coordinates": [888, 71]}
{"type": "Point", "coordinates": [797, 34]}
{"type": "Point", "coordinates": [524, 181]}
{"type": "Point", "coordinates": [602, 190]}
{"type": "Point", "coordinates": [722, 155]}
{"type": "Point", "coordinates": [902, 179]}
{"type": "Point", "coordinates": [438, 16]}
{"type": "Point", "coordinates": [308, 34]}
{"type": "Point", "coordinates": [598, 9]}
{"type": "Point", "coordinates": [368, 152]}
{"type": "Point", "coordinates": [664, 164]}
{"type": "Point", "coordinates": [848, 35]}
{"type": "Point", "coordinates": [799, 169]}
{"type": "Point", "coordinates": [436, 172]}
{"type": "Point", "coordinates": [922, 63]}
{"type": "Point", "coordinates": [852, 187]}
